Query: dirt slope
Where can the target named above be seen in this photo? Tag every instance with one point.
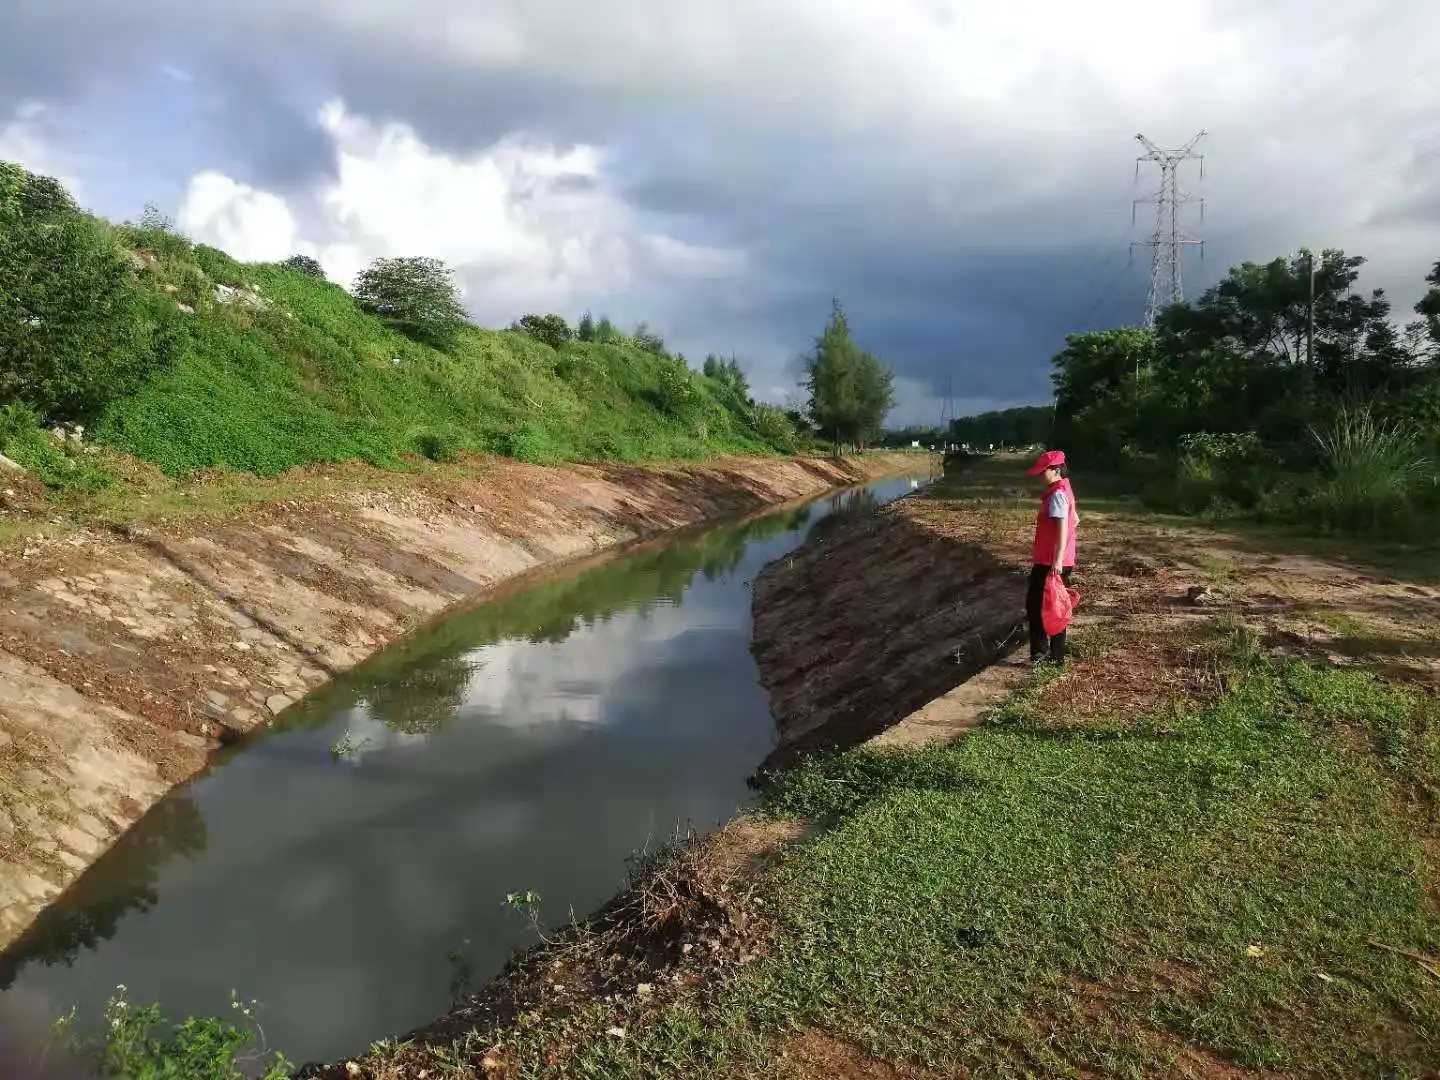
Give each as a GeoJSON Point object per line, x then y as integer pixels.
{"type": "Point", "coordinates": [127, 654]}
{"type": "Point", "coordinates": [863, 627]}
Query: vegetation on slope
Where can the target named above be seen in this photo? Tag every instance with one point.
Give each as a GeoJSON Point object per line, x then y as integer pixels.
{"type": "Point", "coordinates": [1275, 392]}
{"type": "Point", "coordinates": [178, 355]}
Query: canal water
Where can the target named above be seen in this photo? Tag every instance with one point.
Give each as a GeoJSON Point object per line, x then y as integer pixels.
{"type": "Point", "coordinates": [348, 868]}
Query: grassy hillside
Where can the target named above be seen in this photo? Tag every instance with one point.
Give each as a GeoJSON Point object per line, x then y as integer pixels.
{"type": "Point", "coordinates": [260, 368]}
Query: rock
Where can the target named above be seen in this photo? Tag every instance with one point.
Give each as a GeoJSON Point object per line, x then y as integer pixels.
{"type": "Point", "coordinates": [12, 466]}
{"type": "Point", "coordinates": [1200, 596]}
{"type": "Point", "coordinates": [277, 702]}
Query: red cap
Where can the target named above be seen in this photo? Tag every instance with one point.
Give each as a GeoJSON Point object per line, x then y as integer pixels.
{"type": "Point", "coordinates": [1048, 460]}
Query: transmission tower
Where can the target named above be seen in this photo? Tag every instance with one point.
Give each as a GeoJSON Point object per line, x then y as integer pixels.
{"type": "Point", "coordinates": [947, 412]}
{"type": "Point", "coordinates": [1167, 240]}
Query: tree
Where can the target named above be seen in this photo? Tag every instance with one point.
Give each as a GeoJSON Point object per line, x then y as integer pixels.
{"type": "Point", "coordinates": [152, 217]}
{"type": "Point", "coordinates": [605, 332]}
{"type": "Point", "coordinates": [1429, 311]}
{"type": "Point", "coordinates": [729, 375]}
{"type": "Point", "coordinates": [416, 296]}
{"type": "Point", "coordinates": [76, 331]}
{"type": "Point", "coordinates": [553, 330]}
{"type": "Point", "coordinates": [851, 391]}
{"type": "Point", "coordinates": [585, 329]}
{"type": "Point", "coordinates": [304, 264]}
{"type": "Point", "coordinates": [647, 339]}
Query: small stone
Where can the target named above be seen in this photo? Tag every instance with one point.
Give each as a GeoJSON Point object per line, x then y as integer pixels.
{"type": "Point", "coordinates": [243, 646]}
{"type": "Point", "coordinates": [645, 989]}
{"type": "Point", "coordinates": [277, 702]}
{"type": "Point", "coordinates": [615, 1032]}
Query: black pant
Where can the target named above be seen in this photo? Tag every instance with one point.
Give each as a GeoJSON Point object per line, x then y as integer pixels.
{"type": "Point", "coordinates": [1034, 595]}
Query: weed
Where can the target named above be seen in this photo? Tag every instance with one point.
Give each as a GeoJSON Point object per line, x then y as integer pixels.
{"type": "Point", "coordinates": [1373, 469]}
{"type": "Point", "coordinates": [139, 1044]}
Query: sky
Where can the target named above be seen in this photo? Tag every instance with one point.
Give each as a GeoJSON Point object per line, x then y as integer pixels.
{"type": "Point", "coordinates": [959, 175]}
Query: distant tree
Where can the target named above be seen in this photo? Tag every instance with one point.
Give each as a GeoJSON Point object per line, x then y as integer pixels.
{"type": "Point", "coordinates": [1429, 311]}
{"type": "Point", "coordinates": [416, 296]}
{"type": "Point", "coordinates": [76, 330]}
{"type": "Point", "coordinates": [305, 265]}
{"type": "Point", "coordinates": [647, 339]}
{"type": "Point", "coordinates": [1023, 426]}
{"type": "Point", "coordinates": [851, 391]}
{"type": "Point", "coordinates": [585, 329]}
{"type": "Point", "coordinates": [553, 330]}
{"type": "Point", "coordinates": [605, 332]}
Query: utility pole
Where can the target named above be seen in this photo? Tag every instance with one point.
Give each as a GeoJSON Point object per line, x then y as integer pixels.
{"type": "Point", "coordinates": [1167, 239]}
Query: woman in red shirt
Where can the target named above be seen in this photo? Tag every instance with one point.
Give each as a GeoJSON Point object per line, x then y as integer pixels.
{"type": "Point", "coordinates": [1053, 551]}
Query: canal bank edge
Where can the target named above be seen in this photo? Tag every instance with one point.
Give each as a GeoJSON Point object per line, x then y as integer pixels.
{"type": "Point", "coordinates": [896, 628]}
{"type": "Point", "coordinates": [128, 655]}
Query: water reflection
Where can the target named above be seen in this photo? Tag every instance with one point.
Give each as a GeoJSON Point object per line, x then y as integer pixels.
{"type": "Point", "coordinates": [413, 697]}
{"type": "Point", "coordinates": [330, 867]}
{"type": "Point", "coordinates": [96, 904]}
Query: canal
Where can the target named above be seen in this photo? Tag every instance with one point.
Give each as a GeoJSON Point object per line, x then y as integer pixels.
{"type": "Point", "coordinates": [348, 867]}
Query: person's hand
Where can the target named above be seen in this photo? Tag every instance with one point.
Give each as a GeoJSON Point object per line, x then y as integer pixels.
{"type": "Point", "coordinates": [1055, 570]}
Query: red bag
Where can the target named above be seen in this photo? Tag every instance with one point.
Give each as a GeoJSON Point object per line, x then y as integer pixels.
{"type": "Point", "coordinates": [1056, 605]}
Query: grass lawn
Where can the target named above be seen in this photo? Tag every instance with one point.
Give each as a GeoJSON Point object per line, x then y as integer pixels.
{"type": "Point", "coordinates": [1231, 885]}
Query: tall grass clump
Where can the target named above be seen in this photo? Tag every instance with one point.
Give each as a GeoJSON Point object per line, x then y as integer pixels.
{"type": "Point", "coordinates": [1373, 473]}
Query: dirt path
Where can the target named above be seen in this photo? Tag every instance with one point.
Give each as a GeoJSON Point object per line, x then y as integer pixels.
{"type": "Point", "coordinates": [129, 653]}
{"type": "Point", "coordinates": [890, 619]}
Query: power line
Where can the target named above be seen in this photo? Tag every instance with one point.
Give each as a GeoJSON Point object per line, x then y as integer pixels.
{"type": "Point", "coordinates": [1168, 239]}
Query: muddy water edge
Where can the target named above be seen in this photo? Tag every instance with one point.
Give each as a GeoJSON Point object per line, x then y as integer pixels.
{"type": "Point", "coordinates": [349, 866]}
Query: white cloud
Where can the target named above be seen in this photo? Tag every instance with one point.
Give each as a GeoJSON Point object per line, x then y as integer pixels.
{"type": "Point", "coordinates": [524, 224]}
{"type": "Point", "coordinates": [24, 142]}
{"type": "Point", "coordinates": [252, 226]}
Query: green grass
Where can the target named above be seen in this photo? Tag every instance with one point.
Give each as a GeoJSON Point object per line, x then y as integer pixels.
{"type": "Point", "coordinates": [1028, 900]}
{"type": "Point", "coordinates": [306, 377]}
{"type": "Point", "coordinates": [314, 379]}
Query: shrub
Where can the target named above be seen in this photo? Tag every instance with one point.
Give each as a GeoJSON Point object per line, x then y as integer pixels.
{"type": "Point", "coordinates": [304, 264]}
{"type": "Point", "coordinates": [137, 1046]}
{"type": "Point", "coordinates": [219, 267]}
{"type": "Point", "coordinates": [677, 393]}
{"type": "Point", "coordinates": [59, 466]}
{"type": "Point", "coordinates": [416, 296]}
{"type": "Point", "coordinates": [551, 329]}
{"type": "Point", "coordinates": [75, 331]}
{"type": "Point", "coordinates": [439, 443]}
{"type": "Point", "coordinates": [773, 425]}
{"type": "Point", "coordinates": [533, 443]}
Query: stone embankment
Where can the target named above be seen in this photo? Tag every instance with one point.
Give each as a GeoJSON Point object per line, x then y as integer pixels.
{"type": "Point", "coordinates": [129, 654]}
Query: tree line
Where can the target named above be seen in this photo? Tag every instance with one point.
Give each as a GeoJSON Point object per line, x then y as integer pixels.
{"type": "Point", "coordinates": [1284, 387]}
